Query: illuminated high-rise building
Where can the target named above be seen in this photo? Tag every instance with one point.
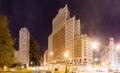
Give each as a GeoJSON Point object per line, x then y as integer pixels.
{"type": "Point", "coordinates": [46, 60]}
{"type": "Point", "coordinates": [65, 30]}
{"type": "Point", "coordinates": [83, 53]}
{"type": "Point", "coordinates": [72, 29]}
{"type": "Point", "coordinates": [58, 34]}
{"type": "Point", "coordinates": [109, 57]}
{"type": "Point", "coordinates": [24, 38]}
{"type": "Point", "coordinates": [50, 53]}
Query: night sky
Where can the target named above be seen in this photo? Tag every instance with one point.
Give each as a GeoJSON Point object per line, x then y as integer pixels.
{"type": "Point", "coordinates": [100, 19]}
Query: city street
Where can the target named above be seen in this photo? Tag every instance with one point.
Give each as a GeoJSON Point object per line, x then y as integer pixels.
{"type": "Point", "coordinates": [59, 36]}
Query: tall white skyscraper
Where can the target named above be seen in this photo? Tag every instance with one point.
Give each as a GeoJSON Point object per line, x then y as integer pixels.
{"type": "Point", "coordinates": [109, 56]}
{"type": "Point", "coordinates": [24, 38]}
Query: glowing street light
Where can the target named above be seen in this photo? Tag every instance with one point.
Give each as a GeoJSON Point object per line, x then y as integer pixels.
{"type": "Point", "coordinates": [118, 48]}
{"type": "Point", "coordinates": [96, 59]}
{"type": "Point", "coordinates": [54, 61]}
{"type": "Point", "coordinates": [51, 55]}
{"type": "Point", "coordinates": [66, 56]}
{"type": "Point", "coordinates": [31, 63]}
{"type": "Point", "coordinates": [94, 63]}
{"type": "Point", "coordinates": [44, 63]}
{"type": "Point", "coordinates": [94, 45]}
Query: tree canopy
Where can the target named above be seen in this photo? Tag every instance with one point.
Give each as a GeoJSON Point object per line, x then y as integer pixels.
{"type": "Point", "coordinates": [34, 52]}
{"type": "Point", "coordinates": [6, 43]}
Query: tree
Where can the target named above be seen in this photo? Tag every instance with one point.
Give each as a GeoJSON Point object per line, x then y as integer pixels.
{"type": "Point", "coordinates": [34, 52]}
{"type": "Point", "coordinates": [6, 43]}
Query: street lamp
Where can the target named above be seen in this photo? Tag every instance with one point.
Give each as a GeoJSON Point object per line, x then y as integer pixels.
{"type": "Point", "coordinates": [51, 53]}
{"type": "Point", "coordinates": [118, 48]}
{"type": "Point", "coordinates": [95, 46]}
{"type": "Point", "coordinates": [51, 56]}
{"type": "Point", "coordinates": [54, 61]}
{"type": "Point", "coordinates": [96, 59]}
{"type": "Point", "coordinates": [66, 56]}
{"type": "Point", "coordinates": [31, 63]}
{"type": "Point", "coordinates": [94, 63]}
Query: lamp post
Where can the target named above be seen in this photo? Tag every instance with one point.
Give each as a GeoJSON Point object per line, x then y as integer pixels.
{"type": "Point", "coordinates": [118, 48]}
{"type": "Point", "coordinates": [94, 63]}
{"type": "Point", "coordinates": [31, 63]}
{"type": "Point", "coordinates": [51, 56]}
{"type": "Point", "coordinates": [95, 46]}
{"type": "Point", "coordinates": [66, 56]}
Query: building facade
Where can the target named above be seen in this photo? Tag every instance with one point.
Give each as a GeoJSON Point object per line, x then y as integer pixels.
{"type": "Point", "coordinates": [58, 35]}
{"type": "Point", "coordinates": [50, 50]}
{"type": "Point", "coordinates": [83, 53]}
{"type": "Point", "coordinates": [24, 38]}
{"type": "Point", "coordinates": [46, 58]}
{"type": "Point", "coordinates": [16, 55]}
{"type": "Point", "coordinates": [66, 37]}
{"type": "Point", "coordinates": [72, 29]}
{"type": "Point", "coordinates": [109, 56]}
